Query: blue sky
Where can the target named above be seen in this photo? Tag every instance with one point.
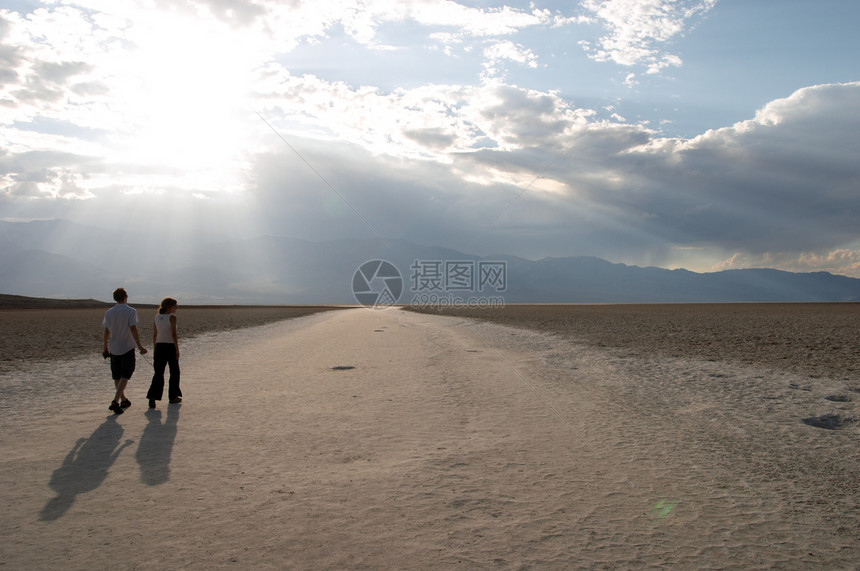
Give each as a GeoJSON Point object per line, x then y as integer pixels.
{"type": "Point", "coordinates": [706, 134]}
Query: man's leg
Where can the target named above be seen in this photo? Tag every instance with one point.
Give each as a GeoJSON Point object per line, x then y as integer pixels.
{"type": "Point", "coordinates": [120, 390]}
{"type": "Point", "coordinates": [122, 367]}
{"type": "Point", "coordinates": [115, 403]}
{"type": "Point", "coordinates": [121, 396]}
{"type": "Point", "coordinates": [127, 371]}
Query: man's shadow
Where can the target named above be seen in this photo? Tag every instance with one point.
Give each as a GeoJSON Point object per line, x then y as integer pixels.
{"type": "Point", "coordinates": [156, 446]}
{"type": "Point", "coordinates": [84, 468]}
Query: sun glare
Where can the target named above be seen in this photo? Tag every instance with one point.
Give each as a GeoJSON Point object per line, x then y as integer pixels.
{"type": "Point", "coordinates": [186, 106]}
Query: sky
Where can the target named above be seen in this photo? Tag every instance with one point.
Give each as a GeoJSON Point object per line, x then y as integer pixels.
{"type": "Point", "coordinates": [703, 134]}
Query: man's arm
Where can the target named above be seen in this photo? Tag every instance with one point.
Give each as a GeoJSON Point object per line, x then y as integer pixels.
{"type": "Point", "coordinates": [106, 351]}
{"type": "Point", "coordinates": [137, 339]}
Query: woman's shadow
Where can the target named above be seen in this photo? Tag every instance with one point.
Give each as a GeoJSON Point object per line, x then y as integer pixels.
{"type": "Point", "coordinates": [85, 467]}
{"type": "Point", "coordinates": [156, 446]}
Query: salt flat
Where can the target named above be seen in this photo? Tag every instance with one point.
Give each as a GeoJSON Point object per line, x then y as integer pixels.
{"type": "Point", "coordinates": [388, 439]}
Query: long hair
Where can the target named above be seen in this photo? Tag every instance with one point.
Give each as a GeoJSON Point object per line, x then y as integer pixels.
{"type": "Point", "coordinates": [166, 304]}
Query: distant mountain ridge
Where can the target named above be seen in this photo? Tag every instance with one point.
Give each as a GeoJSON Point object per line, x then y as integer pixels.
{"type": "Point", "coordinates": [23, 302]}
{"type": "Point", "coordinates": [61, 259]}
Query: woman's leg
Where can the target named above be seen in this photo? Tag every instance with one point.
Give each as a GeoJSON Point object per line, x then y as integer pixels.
{"type": "Point", "coordinates": [156, 388]}
{"type": "Point", "coordinates": [173, 391]}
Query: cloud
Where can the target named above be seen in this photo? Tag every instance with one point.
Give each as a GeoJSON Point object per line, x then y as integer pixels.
{"type": "Point", "coordinates": [48, 82]}
{"type": "Point", "coordinates": [788, 168]}
{"type": "Point", "coordinates": [777, 185]}
{"type": "Point", "coordinates": [841, 261]}
{"type": "Point", "coordinates": [361, 19]}
{"type": "Point", "coordinates": [503, 51]}
{"type": "Point", "coordinates": [239, 12]}
{"type": "Point", "coordinates": [466, 118]}
{"type": "Point", "coordinates": [44, 174]}
{"type": "Point", "coordinates": [638, 30]}
{"type": "Point", "coordinates": [781, 182]}
{"type": "Point", "coordinates": [149, 105]}
{"type": "Point", "coordinates": [48, 60]}
{"type": "Point", "coordinates": [10, 57]}
{"type": "Point", "coordinates": [480, 22]}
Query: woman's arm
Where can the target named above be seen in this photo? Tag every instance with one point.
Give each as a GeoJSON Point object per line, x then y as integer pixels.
{"type": "Point", "coordinates": [173, 333]}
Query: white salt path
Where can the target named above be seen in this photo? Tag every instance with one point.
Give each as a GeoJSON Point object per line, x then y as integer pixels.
{"type": "Point", "coordinates": [360, 439]}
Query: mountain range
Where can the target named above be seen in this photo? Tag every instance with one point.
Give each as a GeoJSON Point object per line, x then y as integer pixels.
{"type": "Point", "coordinates": [65, 260]}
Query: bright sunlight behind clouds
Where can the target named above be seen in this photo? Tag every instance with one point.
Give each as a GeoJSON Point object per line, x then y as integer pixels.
{"type": "Point", "coordinates": [694, 133]}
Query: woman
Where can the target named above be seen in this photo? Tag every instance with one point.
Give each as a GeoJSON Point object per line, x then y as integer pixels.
{"type": "Point", "coordinates": [166, 353]}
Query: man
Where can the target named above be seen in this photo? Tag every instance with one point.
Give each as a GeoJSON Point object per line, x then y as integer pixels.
{"type": "Point", "coordinates": [121, 337]}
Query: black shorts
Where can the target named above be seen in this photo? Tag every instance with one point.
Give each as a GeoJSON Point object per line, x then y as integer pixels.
{"type": "Point", "coordinates": [122, 366]}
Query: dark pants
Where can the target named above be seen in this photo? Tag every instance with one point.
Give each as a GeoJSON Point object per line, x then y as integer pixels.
{"type": "Point", "coordinates": [165, 355]}
{"type": "Point", "coordinates": [122, 366]}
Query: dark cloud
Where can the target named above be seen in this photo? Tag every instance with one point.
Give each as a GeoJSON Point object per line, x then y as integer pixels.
{"type": "Point", "coordinates": [10, 58]}
{"type": "Point", "coordinates": [47, 125]}
{"type": "Point", "coordinates": [419, 201]}
{"type": "Point", "coordinates": [43, 174]}
{"type": "Point", "coordinates": [786, 180]}
{"type": "Point", "coordinates": [781, 181]}
{"type": "Point", "coordinates": [60, 72]}
{"type": "Point", "coordinates": [47, 81]}
{"type": "Point", "coordinates": [434, 138]}
{"type": "Point", "coordinates": [523, 117]}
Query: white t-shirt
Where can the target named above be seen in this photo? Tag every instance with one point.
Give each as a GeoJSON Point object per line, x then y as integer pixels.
{"type": "Point", "coordinates": [163, 332]}
{"type": "Point", "coordinates": [118, 320]}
